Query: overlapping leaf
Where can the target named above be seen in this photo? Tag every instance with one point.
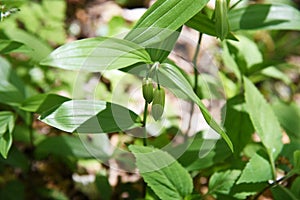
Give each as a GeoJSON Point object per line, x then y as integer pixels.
{"type": "Point", "coordinates": [6, 128]}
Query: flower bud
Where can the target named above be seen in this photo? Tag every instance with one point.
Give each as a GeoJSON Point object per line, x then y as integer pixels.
{"type": "Point", "coordinates": [148, 90]}
{"type": "Point", "coordinates": [158, 103]}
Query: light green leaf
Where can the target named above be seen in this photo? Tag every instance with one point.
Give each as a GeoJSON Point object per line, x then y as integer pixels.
{"type": "Point", "coordinates": [273, 72]}
{"type": "Point", "coordinates": [42, 102]}
{"type": "Point", "coordinates": [85, 116]}
{"type": "Point", "coordinates": [221, 18]}
{"type": "Point", "coordinates": [10, 46]}
{"type": "Point", "coordinates": [169, 73]}
{"type": "Point", "coordinates": [6, 128]}
{"type": "Point", "coordinates": [264, 120]}
{"type": "Point", "coordinates": [258, 169]}
{"type": "Point", "coordinates": [162, 19]}
{"type": "Point", "coordinates": [97, 54]}
{"type": "Point", "coordinates": [265, 16]}
{"type": "Point", "coordinates": [166, 177]}
{"type": "Point", "coordinates": [221, 182]}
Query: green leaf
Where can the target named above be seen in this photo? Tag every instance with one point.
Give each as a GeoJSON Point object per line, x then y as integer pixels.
{"type": "Point", "coordinates": [12, 90]}
{"type": "Point", "coordinates": [279, 192]}
{"type": "Point", "coordinates": [86, 116]}
{"type": "Point", "coordinates": [42, 102]}
{"type": "Point", "coordinates": [264, 120]}
{"type": "Point", "coordinates": [162, 19]}
{"type": "Point", "coordinates": [257, 170]}
{"type": "Point", "coordinates": [97, 54]}
{"type": "Point", "coordinates": [9, 46]}
{"type": "Point", "coordinates": [6, 128]}
{"type": "Point", "coordinates": [296, 168]}
{"type": "Point", "coordinates": [221, 18]}
{"type": "Point", "coordinates": [289, 117]}
{"type": "Point", "coordinates": [265, 16]}
{"type": "Point", "coordinates": [103, 187]}
{"type": "Point", "coordinates": [169, 73]}
{"type": "Point", "coordinates": [221, 182]}
{"type": "Point", "coordinates": [295, 189]}
{"type": "Point", "coordinates": [166, 177]}
{"type": "Point", "coordinates": [241, 130]}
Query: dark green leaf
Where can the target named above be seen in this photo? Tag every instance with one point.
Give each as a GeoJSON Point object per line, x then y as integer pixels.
{"type": "Point", "coordinates": [296, 168]}
{"type": "Point", "coordinates": [279, 192]}
{"type": "Point", "coordinates": [263, 119]}
{"type": "Point", "coordinates": [166, 177]}
{"type": "Point", "coordinates": [86, 116]}
{"type": "Point", "coordinates": [237, 123]}
{"type": "Point", "coordinates": [42, 102]}
{"type": "Point", "coordinates": [162, 19]}
{"type": "Point", "coordinates": [9, 46]}
{"type": "Point", "coordinates": [265, 16]}
{"type": "Point", "coordinates": [221, 182]}
{"type": "Point", "coordinates": [103, 187]}
{"type": "Point", "coordinates": [97, 54]}
{"type": "Point", "coordinates": [295, 189]}
{"type": "Point", "coordinates": [257, 170]}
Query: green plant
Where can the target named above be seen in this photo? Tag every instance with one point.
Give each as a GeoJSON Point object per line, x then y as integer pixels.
{"type": "Point", "coordinates": [234, 167]}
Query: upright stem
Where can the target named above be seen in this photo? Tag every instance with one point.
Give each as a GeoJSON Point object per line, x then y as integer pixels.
{"type": "Point", "coordinates": [145, 123]}
{"type": "Point", "coordinates": [196, 73]}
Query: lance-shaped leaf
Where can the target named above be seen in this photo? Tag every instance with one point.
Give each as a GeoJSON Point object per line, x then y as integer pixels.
{"type": "Point", "coordinates": [174, 80]}
{"type": "Point", "coordinates": [6, 128]}
{"type": "Point", "coordinates": [222, 24]}
{"type": "Point", "coordinates": [162, 19]}
{"type": "Point", "coordinates": [97, 54]}
{"type": "Point", "coordinates": [166, 177]}
{"type": "Point", "coordinates": [84, 116]}
{"type": "Point", "coordinates": [265, 16]}
{"type": "Point", "coordinates": [263, 119]}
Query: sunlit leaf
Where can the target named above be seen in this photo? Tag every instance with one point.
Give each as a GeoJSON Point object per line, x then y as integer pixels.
{"type": "Point", "coordinates": [97, 54]}
{"type": "Point", "coordinates": [265, 16]}
{"type": "Point", "coordinates": [166, 177]}
{"type": "Point", "coordinates": [161, 20]}
{"type": "Point", "coordinates": [9, 46]}
{"type": "Point", "coordinates": [6, 128]}
{"type": "Point", "coordinates": [258, 169]}
{"type": "Point", "coordinates": [263, 119]}
{"type": "Point", "coordinates": [221, 182]}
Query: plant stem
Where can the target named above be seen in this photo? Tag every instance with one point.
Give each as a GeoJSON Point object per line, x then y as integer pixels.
{"type": "Point", "coordinates": [196, 73]}
{"type": "Point", "coordinates": [144, 123]}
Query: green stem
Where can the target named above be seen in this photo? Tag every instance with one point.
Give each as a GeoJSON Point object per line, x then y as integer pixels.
{"type": "Point", "coordinates": [196, 73]}
{"type": "Point", "coordinates": [144, 123]}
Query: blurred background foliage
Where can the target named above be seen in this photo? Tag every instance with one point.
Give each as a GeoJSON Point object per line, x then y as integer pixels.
{"type": "Point", "coordinates": [44, 163]}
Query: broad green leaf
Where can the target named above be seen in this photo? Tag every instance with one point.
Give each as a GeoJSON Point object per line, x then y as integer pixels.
{"type": "Point", "coordinates": [85, 116]}
{"type": "Point", "coordinates": [257, 170]}
{"type": "Point", "coordinates": [263, 119]}
{"type": "Point", "coordinates": [42, 102]}
{"type": "Point", "coordinates": [273, 72]}
{"type": "Point", "coordinates": [10, 46]}
{"type": "Point", "coordinates": [244, 190]}
{"type": "Point", "coordinates": [264, 16]}
{"type": "Point", "coordinates": [241, 130]}
{"type": "Point", "coordinates": [162, 173]}
{"type": "Point", "coordinates": [221, 18]}
{"type": "Point", "coordinates": [171, 74]}
{"type": "Point", "coordinates": [97, 54]}
{"type": "Point", "coordinates": [162, 19]}
{"type": "Point", "coordinates": [6, 128]}
{"type": "Point", "coordinates": [289, 117]}
{"type": "Point", "coordinates": [228, 58]}
{"type": "Point", "coordinates": [279, 192]}
{"type": "Point", "coordinates": [103, 186]}
{"type": "Point", "coordinates": [221, 182]}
